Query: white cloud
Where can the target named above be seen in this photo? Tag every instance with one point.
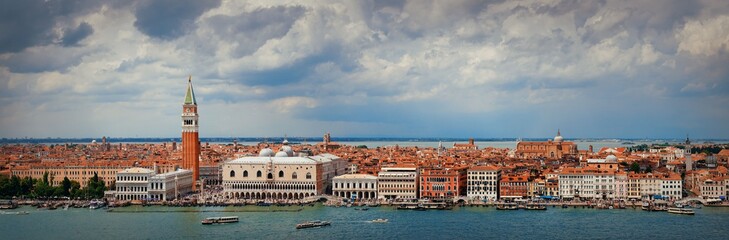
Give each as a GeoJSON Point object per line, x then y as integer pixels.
{"type": "Point", "coordinates": [283, 59]}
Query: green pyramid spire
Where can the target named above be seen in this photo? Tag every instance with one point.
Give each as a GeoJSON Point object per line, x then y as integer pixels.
{"type": "Point", "coordinates": [190, 94]}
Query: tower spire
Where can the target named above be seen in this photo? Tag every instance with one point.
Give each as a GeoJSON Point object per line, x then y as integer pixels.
{"type": "Point", "coordinates": [190, 94]}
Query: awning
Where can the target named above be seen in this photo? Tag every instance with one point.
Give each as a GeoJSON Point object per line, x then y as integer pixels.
{"type": "Point", "coordinates": [546, 197]}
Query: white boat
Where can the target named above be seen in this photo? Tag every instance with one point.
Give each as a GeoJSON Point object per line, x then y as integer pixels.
{"type": "Point", "coordinates": [220, 220]}
{"type": "Point", "coordinates": [380, 220]}
{"type": "Point", "coordinates": [312, 224]}
{"type": "Point", "coordinates": [96, 204]}
{"type": "Point", "coordinates": [684, 211]}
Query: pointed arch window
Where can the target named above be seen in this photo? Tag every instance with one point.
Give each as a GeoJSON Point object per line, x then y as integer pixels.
{"type": "Point", "coordinates": [258, 174]}
{"type": "Point", "coordinates": [245, 173]}
{"type": "Point", "coordinates": [280, 174]}
{"type": "Point", "coordinates": [293, 176]}
{"type": "Point", "coordinates": [232, 173]}
{"type": "Point", "coordinates": [308, 175]}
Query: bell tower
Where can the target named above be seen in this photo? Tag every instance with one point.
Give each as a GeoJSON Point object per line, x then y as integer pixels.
{"type": "Point", "coordinates": [190, 137]}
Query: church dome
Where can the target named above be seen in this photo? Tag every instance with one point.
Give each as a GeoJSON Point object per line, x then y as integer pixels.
{"type": "Point", "coordinates": [266, 152]}
{"type": "Point", "coordinates": [287, 150]}
{"type": "Point", "coordinates": [611, 158]}
{"type": "Point", "coordinates": [282, 154]}
{"type": "Point", "coordinates": [558, 138]}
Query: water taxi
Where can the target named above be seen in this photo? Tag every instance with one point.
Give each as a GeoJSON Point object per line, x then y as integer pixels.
{"type": "Point", "coordinates": [220, 220]}
{"type": "Point", "coordinates": [507, 206]}
{"type": "Point", "coordinates": [379, 220]}
{"type": "Point", "coordinates": [312, 224]}
{"type": "Point", "coordinates": [684, 211]}
{"type": "Point", "coordinates": [536, 206]}
{"type": "Point", "coordinates": [96, 204]}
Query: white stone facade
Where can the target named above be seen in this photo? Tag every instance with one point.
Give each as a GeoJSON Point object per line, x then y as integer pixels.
{"type": "Point", "coordinates": [398, 183]}
{"type": "Point", "coordinates": [355, 186]}
{"type": "Point", "coordinates": [280, 176]}
{"type": "Point", "coordinates": [483, 183]}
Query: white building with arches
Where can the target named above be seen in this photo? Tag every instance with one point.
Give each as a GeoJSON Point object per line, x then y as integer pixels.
{"type": "Point", "coordinates": [281, 175]}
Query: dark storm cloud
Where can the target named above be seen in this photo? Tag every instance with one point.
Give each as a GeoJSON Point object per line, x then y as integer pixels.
{"type": "Point", "coordinates": [170, 19]}
{"type": "Point", "coordinates": [29, 23]}
{"type": "Point", "coordinates": [252, 29]}
{"type": "Point", "coordinates": [43, 61]}
{"type": "Point", "coordinates": [298, 71]}
{"type": "Point", "coordinates": [73, 36]}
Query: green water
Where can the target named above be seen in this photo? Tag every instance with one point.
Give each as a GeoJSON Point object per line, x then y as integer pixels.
{"type": "Point", "coordinates": [460, 223]}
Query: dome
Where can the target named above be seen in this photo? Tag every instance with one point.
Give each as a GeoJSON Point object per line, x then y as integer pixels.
{"type": "Point", "coordinates": [611, 158]}
{"type": "Point", "coordinates": [288, 150]}
{"type": "Point", "coordinates": [558, 138]}
{"type": "Point", "coordinates": [285, 142]}
{"type": "Point", "coordinates": [282, 154]}
{"type": "Point", "coordinates": [266, 152]}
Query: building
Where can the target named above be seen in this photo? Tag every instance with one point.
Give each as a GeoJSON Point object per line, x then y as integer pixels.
{"type": "Point", "coordinates": [398, 182]}
{"type": "Point", "coordinates": [514, 186]}
{"type": "Point", "coordinates": [483, 183]}
{"type": "Point", "coordinates": [144, 184]}
{"type": "Point", "coordinates": [355, 186]}
{"type": "Point", "coordinates": [190, 137]}
{"type": "Point", "coordinates": [645, 186]}
{"type": "Point", "coordinates": [442, 183]}
{"type": "Point", "coordinates": [471, 145]}
{"type": "Point", "coordinates": [282, 175]}
{"type": "Point", "coordinates": [80, 172]}
{"type": "Point", "coordinates": [712, 188]}
{"type": "Point", "coordinates": [551, 149]}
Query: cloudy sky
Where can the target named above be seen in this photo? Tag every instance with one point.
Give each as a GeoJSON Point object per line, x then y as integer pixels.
{"type": "Point", "coordinates": [615, 69]}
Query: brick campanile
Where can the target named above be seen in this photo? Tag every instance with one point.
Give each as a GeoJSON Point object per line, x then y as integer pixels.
{"type": "Point", "coordinates": [190, 137]}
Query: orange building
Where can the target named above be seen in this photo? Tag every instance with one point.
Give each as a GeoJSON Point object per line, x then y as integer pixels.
{"type": "Point", "coordinates": [514, 186]}
{"type": "Point", "coordinates": [550, 149]}
{"type": "Point", "coordinates": [190, 137]}
{"type": "Point", "coordinates": [437, 183]}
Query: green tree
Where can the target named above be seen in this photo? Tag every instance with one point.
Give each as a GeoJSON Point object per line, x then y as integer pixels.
{"type": "Point", "coordinates": [26, 185]}
{"type": "Point", "coordinates": [66, 186]}
{"type": "Point", "coordinates": [15, 184]}
{"type": "Point", "coordinates": [45, 178]}
{"type": "Point", "coordinates": [635, 167]}
{"type": "Point", "coordinates": [5, 187]}
{"type": "Point", "coordinates": [95, 187]}
{"type": "Point", "coordinates": [648, 169]}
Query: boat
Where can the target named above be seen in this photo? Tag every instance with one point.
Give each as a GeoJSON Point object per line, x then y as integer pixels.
{"type": "Point", "coordinates": [362, 209]}
{"type": "Point", "coordinates": [14, 213]}
{"type": "Point", "coordinates": [220, 220]}
{"type": "Point", "coordinates": [684, 211]}
{"type": "Point", "coordinates": [507, 206]}
{"type": "Point", "coordinates": [263, 204]}
{"type": "Point", "coordinates": [536, 206]}
{"type": "Point", "coordinates": [379, 220]}
{"type": "Point", "coordinates": [313, 224]}
{"type": "Point", "coordinates": [96, 204]}
{"type": "Point", "coordinates": [654, 207]}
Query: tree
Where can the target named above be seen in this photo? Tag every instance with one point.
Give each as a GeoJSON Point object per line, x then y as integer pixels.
{"type": "Point", "coordinates": [66, 186]}
{"type": "Point", "coordinates": [45, 178]}
{"type": "Point", "coordinates": [95, 187]}
{"type": "Point", "coordinates": [635, 167]}
{"type": "Point", "coordinates": [26, 185]}
{"type": "Point", "coordinates": [648, 169]}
